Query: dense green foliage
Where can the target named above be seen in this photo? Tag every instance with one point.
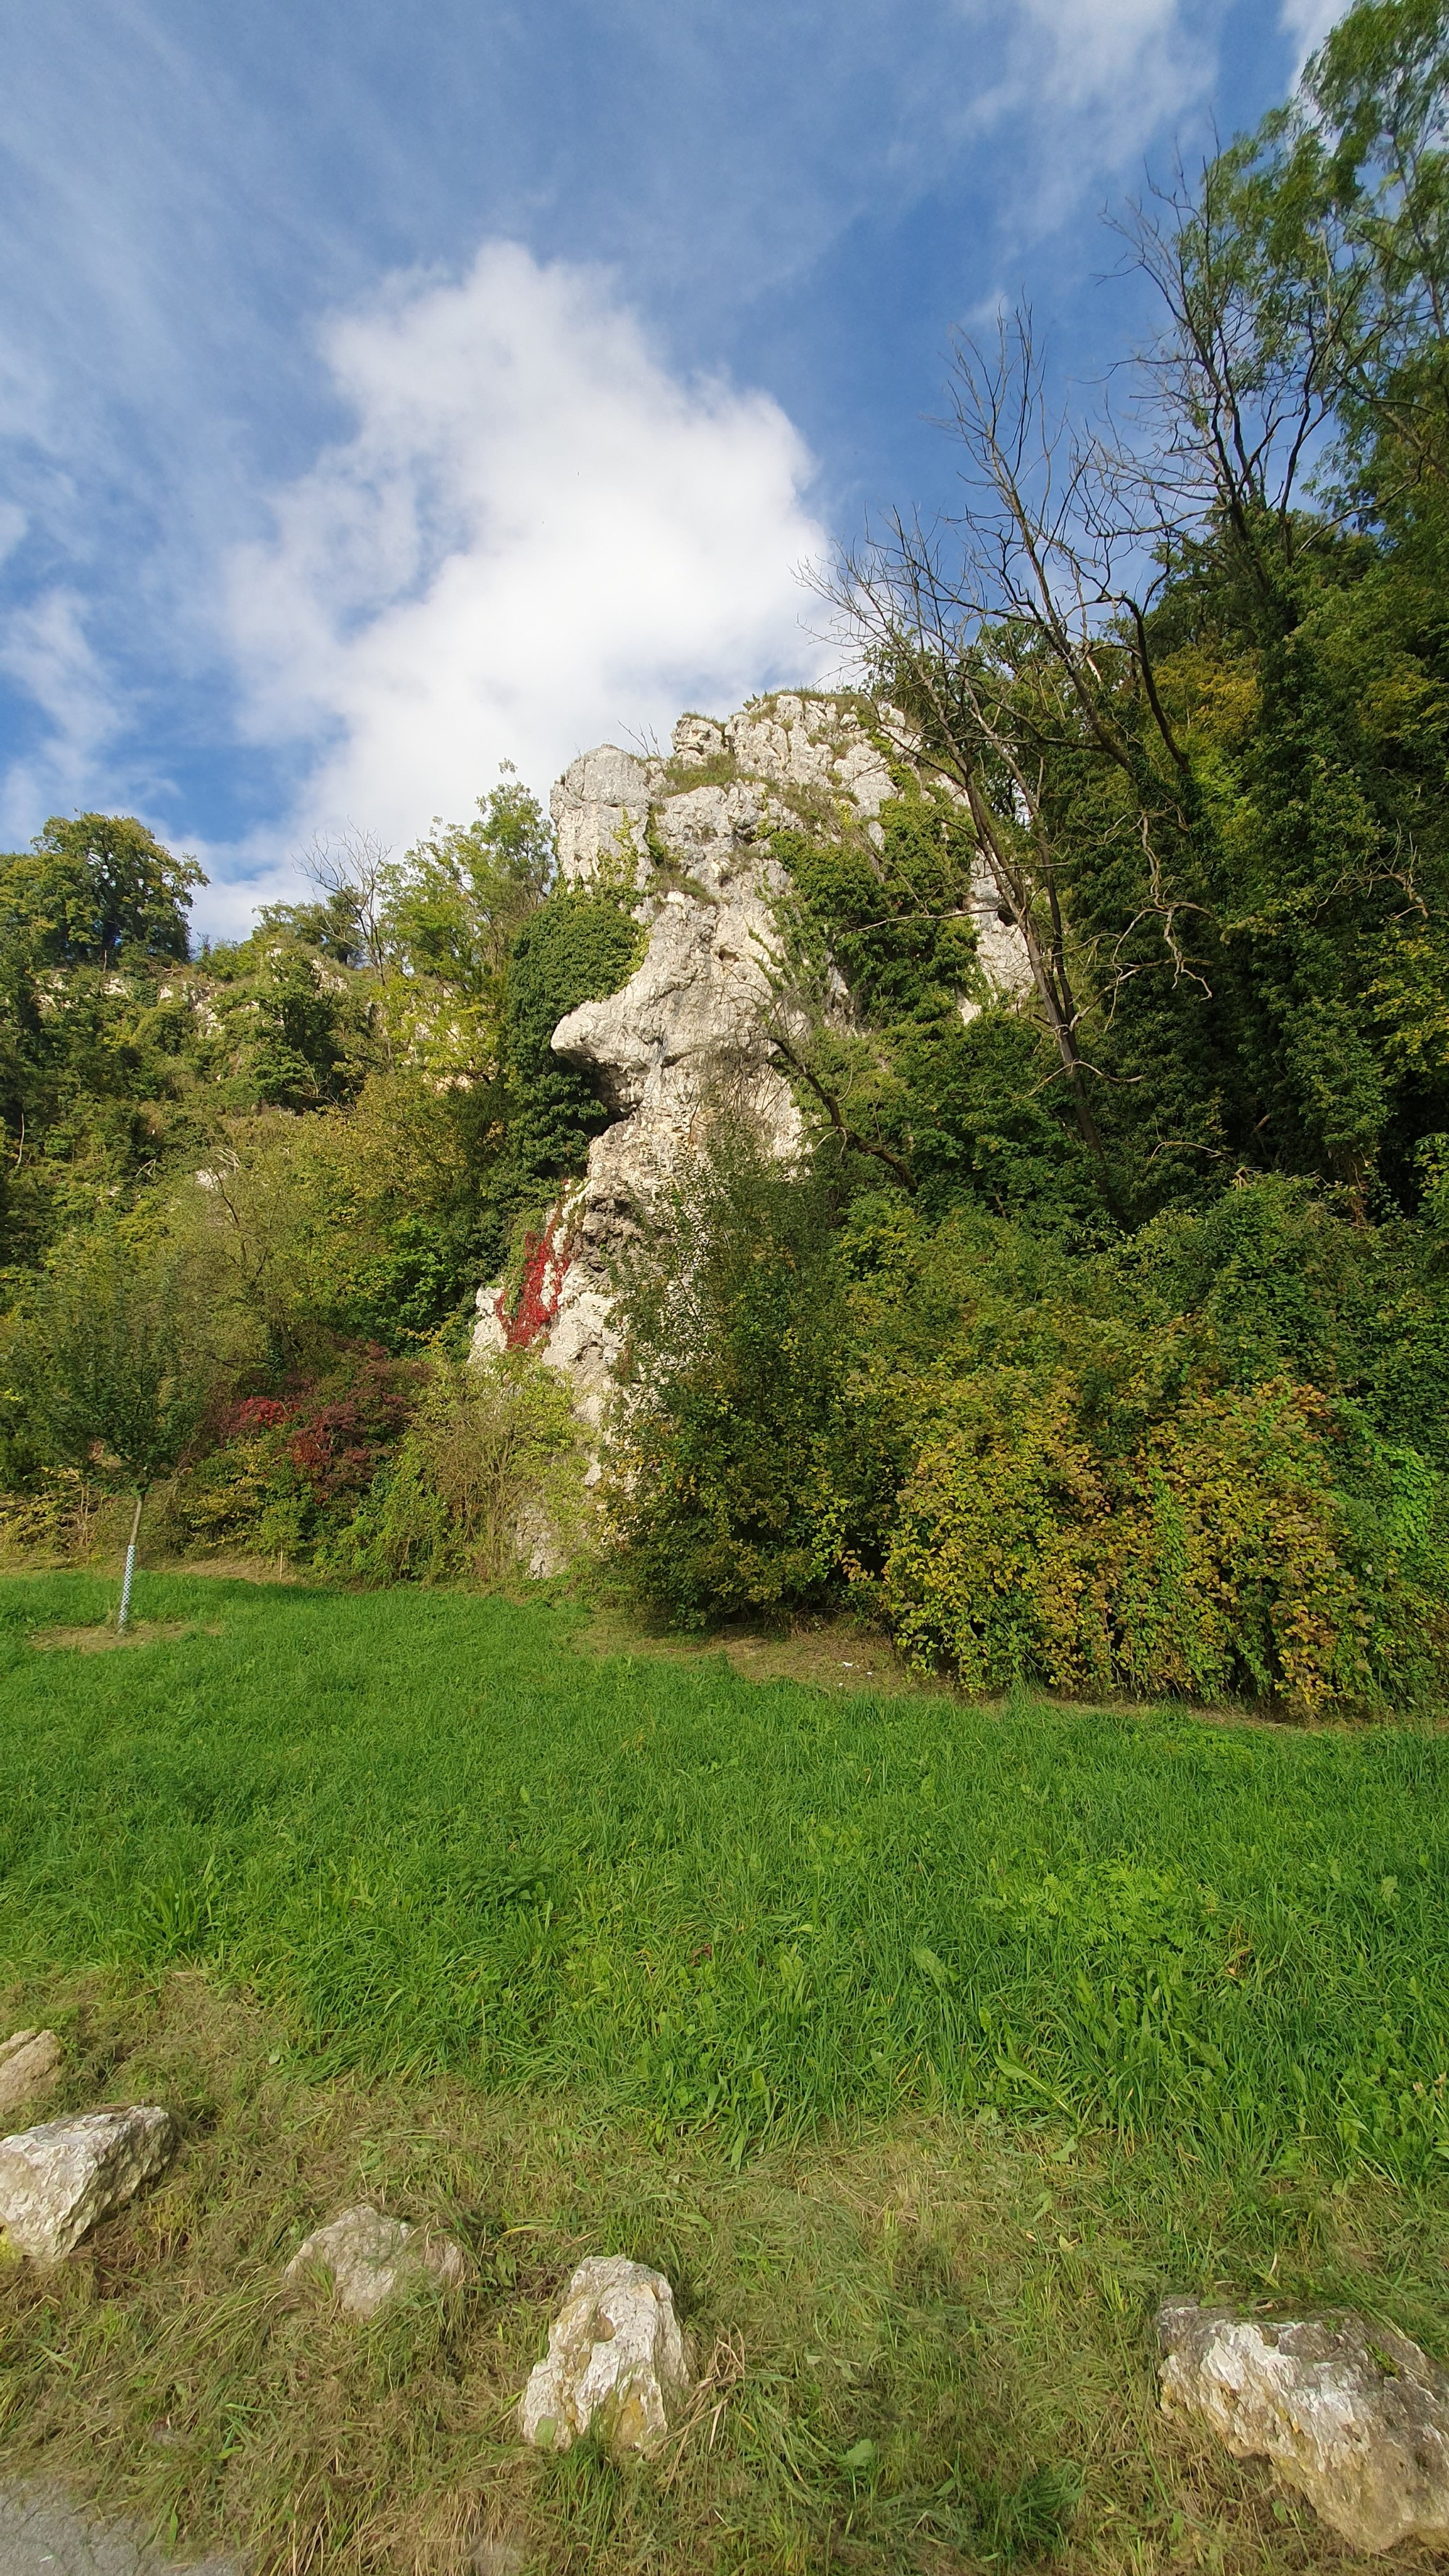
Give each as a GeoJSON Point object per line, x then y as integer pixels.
{"type": "Point", "coordinates": [398, 1030]}
{"type": "Point", "coordinates": [1136, 1278]}
{"type": "Point", "coordinates": [1208, 1459]}
{"type": "Point", "coordinates": [579, 947]}
{"type": "Point", "coordinates": [288, 1163]}
{"type": "Point", "coordinates": [434, 1835]}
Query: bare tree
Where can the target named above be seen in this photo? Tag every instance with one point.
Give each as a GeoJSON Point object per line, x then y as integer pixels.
{"type": "Point", "coordinates": [1239, 386]}
{"type": "Point", "coordinates": [1010, 633]}
{"type": "Point", "coordinates": [351, 868]}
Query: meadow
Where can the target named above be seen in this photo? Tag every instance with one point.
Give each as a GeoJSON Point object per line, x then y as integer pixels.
{"type": "Point", "coordinates": [924, 2043]}
{"type": "Point", "coordinates": [434, 1837]}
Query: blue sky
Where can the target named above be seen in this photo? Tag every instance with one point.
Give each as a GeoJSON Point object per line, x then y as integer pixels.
{"type": "Point", "coordinates": [387, 392]}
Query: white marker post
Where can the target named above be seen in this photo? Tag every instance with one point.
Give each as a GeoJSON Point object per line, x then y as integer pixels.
{"type": "Point", "coordinates": [125, 1610]}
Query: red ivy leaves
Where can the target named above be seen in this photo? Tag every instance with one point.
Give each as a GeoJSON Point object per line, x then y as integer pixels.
{"type": "Point", "coordinates": [546, 1265]}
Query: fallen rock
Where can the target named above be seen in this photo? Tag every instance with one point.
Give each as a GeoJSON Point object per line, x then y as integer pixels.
{"type": "Point", "coordinates": [1352, 2415]}
{"type": "Point", "coordinates": [58, 2180]}
{"type": "Point", "coordinates": [371, 2258]}
{"type": "Point", "coordinates": [28, 2061]}
{"type": "Point", "coordinates": [615, 2356]}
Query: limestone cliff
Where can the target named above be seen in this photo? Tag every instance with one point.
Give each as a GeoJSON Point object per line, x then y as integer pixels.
{"type": "Point", "coordinates": [695, 831]}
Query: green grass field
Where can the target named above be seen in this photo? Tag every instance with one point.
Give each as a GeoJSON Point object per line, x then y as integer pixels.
{"type": "Point", "coordinates": [437, 1837]}
{"type": "Point", "coordinates": [924, 2045]}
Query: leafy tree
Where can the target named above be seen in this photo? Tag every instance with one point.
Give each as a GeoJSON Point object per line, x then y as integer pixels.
{"type": "Point", "coordinates": [111, 1368]}
{"type": "Point", "coordinates": [95, 888]}
{"type": "Point", "coordinates": [458, 901]}
{"type": "Point", "coordinates": [737, 1468]}
{"type": "Point", "coordinates": [333, 927]}
{"type": "Point", "coordinates": [309, 1043]}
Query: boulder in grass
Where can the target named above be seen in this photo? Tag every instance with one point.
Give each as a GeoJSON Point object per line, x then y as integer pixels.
{"type": "Point", "coordinates": [29, 2063]}
{"type": "Point", "coordinates": [58, 2180]}
{"type": "Point", "coordinates": [371, 2258]}
{"type": "Point", "coordinates": [1351, 2414]}
{"type": "Point", "coordinates": [615, 2357]}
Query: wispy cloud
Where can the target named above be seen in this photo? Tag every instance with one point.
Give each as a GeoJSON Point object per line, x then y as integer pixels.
{"type": "Point", "coordinates": [1307, 22]}
{"type": "Point", "coordinates": [45, 650]}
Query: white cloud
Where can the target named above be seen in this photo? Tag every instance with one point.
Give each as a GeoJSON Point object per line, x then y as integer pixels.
{"type": "Point", "coordinates": [45, 649]}
{"type": "Point", "coordinates": [536, 538]}
{"type": "Point", "coordinates": [1131, 53]}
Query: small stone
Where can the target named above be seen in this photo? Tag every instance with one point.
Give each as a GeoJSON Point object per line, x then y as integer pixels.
{"type": "Point", "coordinates": [371, 2258]}
{"type": "Point", "coordinates": [29, 2060]}
{"type": "Point", "coordinates": [1351, 2414]}
{"type": "Point", "coordinates": [58, 2180]}
{"type": "Point", "coordinates": [500, 2557]}
{"type": "Point", "coordinates": [615, 2356]}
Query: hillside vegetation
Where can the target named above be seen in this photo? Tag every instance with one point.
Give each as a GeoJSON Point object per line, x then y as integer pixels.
{"type": "Point", "coordinates": [1101, 1339]}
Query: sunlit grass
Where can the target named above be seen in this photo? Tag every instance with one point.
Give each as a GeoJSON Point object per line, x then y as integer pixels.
{"type": "Point", "coordinates": [436, 1837]}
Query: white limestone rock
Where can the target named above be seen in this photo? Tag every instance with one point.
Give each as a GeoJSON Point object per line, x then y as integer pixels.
{"type": "Point", "coordinates": [615, 2357]}
{"type": "Point", "coordinates": [371, 2258]}
{"type": "Point", "coordinates": [56, 2181]}
{"type": "Point", "coordinates": [29, 2063]}
{"type": "Point", "coordinates": [691, 1023]}
{"type": "Point", "coordinates": [1352, 2415]}
{"type": "Point", "coordinates": [601, 804]}
{"type": "Point", "coordinates": [697, 741]}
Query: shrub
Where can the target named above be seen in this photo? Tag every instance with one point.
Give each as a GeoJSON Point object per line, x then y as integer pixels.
{"type": "Point", "coordinates": [489, 1474]}
{"type": "Point", "coordinates": [57, 1517]}
{"type": "Point", "coordinates": [1232, 1565]}
{"type": "Point", "coordinates": [289, 1468]}
{"type": "Point", "coordinates": [997, 1563]}
{"type": "Point", "coordinates": [1217, 1557]}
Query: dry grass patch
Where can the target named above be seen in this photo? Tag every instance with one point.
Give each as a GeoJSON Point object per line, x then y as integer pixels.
{"type": "Point", "coordinates": [825, 1654]}
{"type": "Point", "coordinates": [937, 2337]}
{"type": "Point", "coordinates": [99, 1639]}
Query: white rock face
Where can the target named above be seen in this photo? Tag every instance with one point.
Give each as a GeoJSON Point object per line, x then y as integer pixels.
{"type": "Point", "coordinates": [371, 2258]}
{"type": "Point", "coordinates": [1352, 2415]}
{"type": "Point", "coordinates": [601, 803]}
{"type": "Point", "coordinates": [29, 2062]}
{"type": "Point", "coordinates": [615, 2356]}
{"type": "Point", "coordinates": [58, 2180]}
{"type": "Point", "coordinates": [691, 1021]}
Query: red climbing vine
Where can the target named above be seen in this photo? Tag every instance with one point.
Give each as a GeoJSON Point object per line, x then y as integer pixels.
{"type": "Point", "coordinates": [546, 1264]}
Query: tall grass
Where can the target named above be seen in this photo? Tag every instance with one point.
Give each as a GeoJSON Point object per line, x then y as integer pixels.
{"type": "Point", "coordinates": [435, 1835]}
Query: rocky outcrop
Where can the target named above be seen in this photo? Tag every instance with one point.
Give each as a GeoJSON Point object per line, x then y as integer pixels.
{"type": "Point", "coordinates": [1354, 2416]}
{"type": "Point", "coordinates": [691, 1022]}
